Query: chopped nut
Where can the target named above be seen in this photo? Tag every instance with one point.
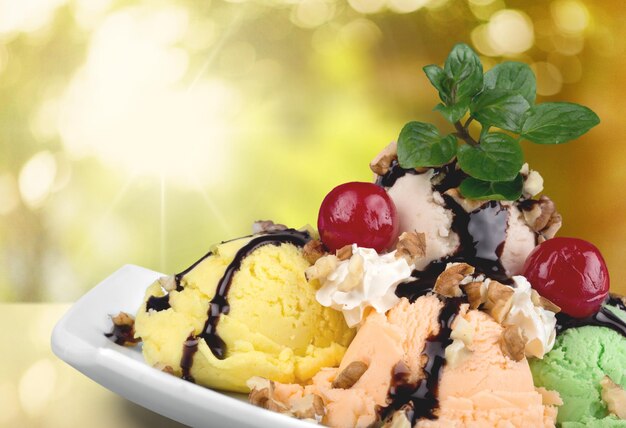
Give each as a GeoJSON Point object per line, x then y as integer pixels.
{"type": "Point", "coordinates": [310, 406]}
{"type": "Point", "coordinates": [448, 283]}
{"type": "Point", "coordinates": [476, 293]}
{"type": "Point", "coordinates": [381, 163]}
{"type": "Point", "coordinates": [513, 342]}
{"type": "Point", "coordinates": [499, 300]}
{"type": "Point", "coordinates": [168, 283]}
{"type": "Point", "coordinates": [123, 332]}
{"type": "Point", "coordinates": [533, 184]}
{"type": "Point", "coordinates": [266, 226]}
{"type": "Point", "coordinates": [323, 267]}
{"type": "Point", "coordinates": [542, 217]}
{"type": "Point", "coordinates": [162, 367]}
{"type": "Point", "coordinates": [344, 253]}
{"type": "Point", "coordinates": [262, 395]}
{"type": "Point", "coordinates": [456, 353]}
{"type": "Point", "coordinates": [549, 397]}
{"type": "Point", "coordinates": [350, 375]}
{"type": "Point", "coordinates": [313, 251]}
{"type": "Point", "coordinates": [356, 269]}
{"type": "Point", "coordinates": [463, 331]}
{"type": "Point", "coordinates": [398, 420]}
{"type": "Point", "coordinates": [411, 246]}
{"type": "Point", "coordinates": [614, 396]}
{"type": "Point", "coordinates": [468, 205]}
{"type": "Point", "coordinates": [542, 302]}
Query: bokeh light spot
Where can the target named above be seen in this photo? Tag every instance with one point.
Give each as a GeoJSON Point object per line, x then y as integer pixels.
{"type": "Point", "coordinates": [570, 16]}
{"type": "Point", "coordinates": [9, 196]}
{"type": "Point", "coordinates": [571, 67]}
{"type": "Point", "coordinates": [483, 9]}
{"type": "Point", "coordinates": [312, 13]}
{"type": "Point", "coordinates": [367, 6]}
{"type": "Point", "coordinates": [36, 178]}
{"type": "Point", "coordinates": [36, 387]}
{"type": "Point", "coordinates": [406, 6]}
{"type": "Point", "coordinates": [510, 32]}
{"type": "Point", "coordinates": [549, 79]}
{"type": "Point", "coordinates": [9, 405]}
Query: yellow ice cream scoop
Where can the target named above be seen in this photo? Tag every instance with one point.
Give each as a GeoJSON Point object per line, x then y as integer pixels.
{"type": "Point", "coordinates": [245, 309]}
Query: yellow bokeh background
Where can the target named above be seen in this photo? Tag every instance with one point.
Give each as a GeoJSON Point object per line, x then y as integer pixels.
{"type": "Point", "coordinates": [142, 132]}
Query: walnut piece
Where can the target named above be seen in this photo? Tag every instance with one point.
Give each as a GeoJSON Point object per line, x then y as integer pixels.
{"type": "Point", "coordinates": [168, 283]}
{"type": "Point", "coordinates": [468, 205]}
{"type": "Point", "coordinates": [266, 226]}
{"type": "Point", "coordinates": [513, 342]}
{"type": "Point", "coordinates": [411, 246]}
{"type": "Point", "coordinates": [323, 267]}
{"type": "Point", "coordinates": [123, 332]}
{"type": "Point", "coordinates": [549, 397]}
{"type": "Point", "coordinates": [614, 396]}
{"type": "Point", "coordinates": [542, 217]}
{"type": "Point", "coordinates": [313, 251]}
{"type": "Point", "coordinates": [356, 270]}
{"type": "Point", "coordinates": [476, 293]}
{"type": "Point", "coordinates": [350, 375]}
{"type": "Point", "coordinates": [499, 300]}
{"type": "Point", "coordinates": [310, 406]}
{"type": "Point", "coordinates": [542, 302]}
{"type": "Point", "coordinates": [344, 253]}
{"type": "Point", "coordinates": [448, 283]}
{"type": "Point", "coordinates": [164, 368]}
{"type": "Point", "coordinates": [398, 420]}
{"type": "Point", "coordinates": [381, 163]}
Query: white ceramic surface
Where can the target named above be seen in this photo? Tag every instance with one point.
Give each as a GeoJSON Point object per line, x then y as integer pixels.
{"type": "Point", "coordinates": [78, 339]}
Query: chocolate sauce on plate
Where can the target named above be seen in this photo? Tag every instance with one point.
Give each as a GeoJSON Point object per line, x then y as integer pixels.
{"type": "Point", "coordinates": [122, 334]}
{"type": "Point", "coordinates": [423, 396]}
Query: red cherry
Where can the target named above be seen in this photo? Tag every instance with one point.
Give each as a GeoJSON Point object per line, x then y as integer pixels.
{"type": "Point", "coordinates": [571, 273]}
{"type": "Point", "coordinates": [358, 213]}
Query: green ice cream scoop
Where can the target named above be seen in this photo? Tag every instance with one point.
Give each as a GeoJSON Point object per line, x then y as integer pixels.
{"type": "Point", "coordinates": [580, 359]}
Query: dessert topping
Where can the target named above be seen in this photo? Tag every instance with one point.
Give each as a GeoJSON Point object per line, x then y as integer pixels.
{"type": "Point", "coordinates": [411, 246]}
{"type": "Point", "coordinates": [358, 213]}
{"type": "Point", "coordinates": [542, 217]}
{"type": "Point", "coordinates": [123, 332]}
{"type": "Point", "coordinates": [614, 396]}
{"type": "Point", "coordinates": [448, 283]}
{"type": "Point", "coordinates": [513, 342]}
{"type": "Point", "coordinates": [365, 280]}
{"type": "Point", "coordinates": [168, 283]}
{"type": "Point", "coordinates": [344, 253]}
{"type": "Point", "coordinates": [309, 406]}
{"type": "Point", "coordinates": [313, 251]}
{"type": "Point", "coordinates": [468, 205]}
{"type": "Point", "coordinates": [164, 368]}
{"type": "Point", "coordinates": [350, 375]}
{"type": "Point", "coordinates": [381, 163]}
{"type": "Point", "coordinates": [571, 273]}
{"type": "Point", "coordinates": [499, 299]}
{"type": "Point", "coordinates": [267, 226]}
{"type": "Point", "coordinates": [533, 182]}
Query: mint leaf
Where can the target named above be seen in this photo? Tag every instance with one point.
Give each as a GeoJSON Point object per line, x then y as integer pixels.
{"type": "Point", "coordinates": [440, 80]}
{"type": "Point", "coordinates": [556, 123]}
{"type": "Point", "coordinates": [472, 188]}
{"type": "Point", "coordinates": [453, 113]}
{"type": "Point", "coordinates": [501, 108]}
{"type": "Point", "coordinates": [421, 145]}
{"type": "Point", "coordinates": [499, 157]}
{"type": "Point", "coordinates": [464, 69]}
{"type": "Point", "coordinates": [512, 76]}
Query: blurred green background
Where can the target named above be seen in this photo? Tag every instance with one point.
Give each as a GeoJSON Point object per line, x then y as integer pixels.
{"type": "Point", "coordinates": [143, 131]}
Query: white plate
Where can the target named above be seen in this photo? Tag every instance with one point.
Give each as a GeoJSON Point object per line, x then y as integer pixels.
{"type": "Point", "coordinates": [78, 339]}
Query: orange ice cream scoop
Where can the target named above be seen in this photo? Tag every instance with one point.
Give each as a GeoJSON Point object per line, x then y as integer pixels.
{"type": "Point", "coordinates": [479, 387]}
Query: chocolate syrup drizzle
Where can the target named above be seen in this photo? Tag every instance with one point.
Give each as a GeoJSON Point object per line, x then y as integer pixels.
{"type": "Point", "coordinates": [603, 318]}
{"type": "Point", "coordinates": [122, 334]}
{"type": "Point", "coordinates": [219, 304]}
{"type": "Point", "coordinates": [190, 346]}
{"type": "Point", "coordinates": [158, 303]}
{"type": "Point", "coordinates": [423, 395]}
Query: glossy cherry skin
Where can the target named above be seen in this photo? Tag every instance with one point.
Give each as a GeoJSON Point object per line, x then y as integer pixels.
{"type": "Point", "coordinates": [358, 213]}
{"type": "Point", "coordinates": [571, 273]}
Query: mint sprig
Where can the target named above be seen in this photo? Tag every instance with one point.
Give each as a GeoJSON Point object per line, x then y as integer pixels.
{"type": "Point", "coordinates": [503, 98]}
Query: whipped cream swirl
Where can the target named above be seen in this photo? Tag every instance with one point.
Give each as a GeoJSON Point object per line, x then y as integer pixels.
{"type": "Point", "coordinates": [367, 279]}
{"type": "Point", "coordinates": [537, 324]}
